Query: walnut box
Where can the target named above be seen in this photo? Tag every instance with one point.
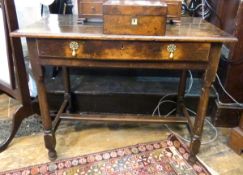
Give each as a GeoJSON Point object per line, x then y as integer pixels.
{"type": "Point", "coordinates": [131, 17]}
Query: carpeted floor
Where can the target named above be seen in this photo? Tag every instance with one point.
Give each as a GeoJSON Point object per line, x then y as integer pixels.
{"type": "Point", "coordinates": [165, 157]}
{"type": "Point", "coordinates": [29, 126]}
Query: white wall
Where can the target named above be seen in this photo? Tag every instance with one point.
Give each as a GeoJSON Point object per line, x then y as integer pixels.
{"type": "Point", "coordinates": [4, 68]}
{"type": "Point", "coordinates": [28, 11]}
{"type": "Point", "coordinates": [75, 7]}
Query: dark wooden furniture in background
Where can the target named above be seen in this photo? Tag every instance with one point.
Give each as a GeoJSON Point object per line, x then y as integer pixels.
{"type": "Point", "coordinates": [174, 9]}
{"type": "Point", "coordinates": [192, 44]}
{"type": "Point", "coordinates": [230, 19]}
{"type": "Point", "coordinates": [236, 138]}
{"type": "Point", "coordinates": [231, 71]}
{"type": "Point", "coordinates": [19, 87]}
{"type": "Point", "coordinates": [90, 8]}
{"type": "Point", "coordinates": [94, 9]}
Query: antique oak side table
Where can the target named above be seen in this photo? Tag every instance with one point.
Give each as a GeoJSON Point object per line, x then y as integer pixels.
{"type": "Point", "coordinates": [58, 40]}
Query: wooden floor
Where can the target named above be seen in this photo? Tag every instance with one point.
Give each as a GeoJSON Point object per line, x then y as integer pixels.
{"type": "Point", "coordinates": [74, 139]}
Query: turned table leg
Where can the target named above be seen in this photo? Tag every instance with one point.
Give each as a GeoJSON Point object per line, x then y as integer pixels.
{"type": "Point", "coordinates": [181, 92]}
{"type": "Point", "coordinates": [241, 121]}
{"type": "Point", "coordinates": [67, 88]}
{"type": "Point", "coordinates": [49, 136]}
{"type": "Point", "coordinates": [67, 97]}
{"type": "Point", "coordinates": [209, 78]}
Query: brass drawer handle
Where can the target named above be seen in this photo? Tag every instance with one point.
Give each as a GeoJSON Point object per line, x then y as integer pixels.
{"type": "Point", "coordinates": [171, 49]}
{"type": "Point", "coordinates": [74, 46]}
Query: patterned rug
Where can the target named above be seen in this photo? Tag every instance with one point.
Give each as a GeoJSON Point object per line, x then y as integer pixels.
{"type": "Point", "coordinates": [167, 157]}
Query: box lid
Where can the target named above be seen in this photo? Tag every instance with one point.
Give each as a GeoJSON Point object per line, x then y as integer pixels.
{"type": "Point", "coordinates": [135, 7]}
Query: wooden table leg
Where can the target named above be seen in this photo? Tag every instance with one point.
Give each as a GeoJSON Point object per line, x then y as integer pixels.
{"type": "Point", "coordinates": [67, 88]}
{"type": "Point", "coordinates": [241, 121]}
{"type": "Point", "coordinates": [67, 96]}
{"type": "Point", "coordinates": [181, 91]}
{"type": "Point", "coordinates": [49, 136]}
{"type": "Point", "coordinates": [209, 77]}
{"type": "Point", "coordinates": [236, 137]}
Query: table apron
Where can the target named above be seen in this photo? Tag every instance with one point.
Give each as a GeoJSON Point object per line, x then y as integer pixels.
{"type": "Point", "coordinates": [85, 63]}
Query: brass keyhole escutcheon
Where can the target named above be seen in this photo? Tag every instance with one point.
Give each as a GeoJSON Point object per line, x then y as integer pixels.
{"type": "Point", "coordinates": [74, 46]}
{"type": "Point", "coordinates": [93, 9]}
{"type": "Point", "coordinates": [134, 21]}
{"type": "Point", "coordinates": [122, 47]}
{"type": "Point", "coordinates": [171, 49]}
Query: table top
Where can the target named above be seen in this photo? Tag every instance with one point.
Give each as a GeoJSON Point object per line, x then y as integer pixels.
{"type": "Point", "coordinates": [190, 29]}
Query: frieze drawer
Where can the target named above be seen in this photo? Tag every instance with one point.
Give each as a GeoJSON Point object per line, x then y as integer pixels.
{"type": "Point", "coordinates": [122, 50]}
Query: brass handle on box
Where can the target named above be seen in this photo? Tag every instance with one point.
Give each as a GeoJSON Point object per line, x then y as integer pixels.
{"type": "Point", "coordinates": [171, 49]}
{"type": "Point", "coordinates": [74, 46]}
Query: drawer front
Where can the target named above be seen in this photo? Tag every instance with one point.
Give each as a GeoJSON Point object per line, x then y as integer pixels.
{"type": "Point", "coordinates": [90, 8]}
{"type": "Point", "coordinates": [123, 50]}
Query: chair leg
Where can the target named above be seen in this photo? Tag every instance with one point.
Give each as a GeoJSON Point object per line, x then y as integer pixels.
{"type": "Point", "coordinates": [18, 117]}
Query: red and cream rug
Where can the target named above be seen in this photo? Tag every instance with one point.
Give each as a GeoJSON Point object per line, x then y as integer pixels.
{"type": "Point", "coordinates": [167, 157]}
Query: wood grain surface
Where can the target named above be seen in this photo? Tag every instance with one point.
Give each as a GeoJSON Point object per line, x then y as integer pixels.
{"type": "Point", "coordinates": [123, 50]}
{"type": "Point", "coordinates": [59, 26]}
